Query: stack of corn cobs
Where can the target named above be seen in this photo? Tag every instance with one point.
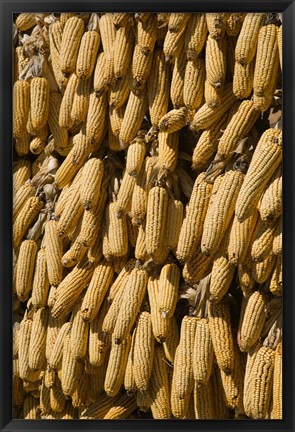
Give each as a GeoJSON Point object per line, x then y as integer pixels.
{"type": "Point", "coordinates": [147, 216]}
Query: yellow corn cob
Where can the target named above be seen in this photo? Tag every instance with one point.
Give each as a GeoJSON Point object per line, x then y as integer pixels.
{"type": "Point", "coordinates": [25, 268]}
{"type": "Point", "coordinates": [135, 156]}
{"type": "Point", "coordinates": [156, 218]}
{"type": "Point", "coordinates": [54, 326]}
{"type": "Point", "coordinates": [121, 20]}
{"type": "Point", "coordinates": [195, 35]}
{"type": "Point", "coordinates": [174, 223]}
{"type": "Point", "coordinates": [96, 119]}
{"type": "Point", "coordinates": [30, 408]}
{"type": "Point", "coordinates": [59, 133]}
{"type": "Point", "coordinates": [133, 117]}
{"type": "Point", "coordinates": [212, 95]}
{"type": "Point", "coordinates": [121, 409]}
{"type": "Point", "coordinates": [220, 213]}
{"type": "Point", "coordinates": [132, 231]}
{"type": "Point", "coordinates": [143, 351]}
{"type": "Point", "coordinates": [168, 150]}
{"type": "Point", "coordinates": [24, 343]}
{"type": "Point", "coordinates": [216, 62]}
{"type": "Point", "coordinates": [240, 237]}
{"type": "Point", "coordinates": [171, 342]}
{"type": "Point", "coordinates": [203, 400]}
{"type": "Point", "coordinates": [55, 356]}
{"type": "Point", "coordinates": [159, 386]}
{"type": "Point", "coordinates": [277, 384]}
{"type": "Point", "coordinates": [267, 60]}
{"type": "Point", "coordinates": [270, 206]}
{"type": "Point", "coordinates": [262, 382]}
{"type": "Point", "coordinates": [72, 369]}
{"type": "Point", "coordinates": [91, 223]}
{"type": "Point", "coordinates": [216, 23]}
{"type": "Point", "coordinates": [21, 105]}
{"type": "Point", "coordinates": [234, 23]}
{"type": "Point", "coordinates": [173, 120]}
{"type": "Point", "coordinates": [246, 280]}
{"type": "Point", "coordinates": [168, 290]}
{"type": "Point", "coordinates": [116, 366]}
{"type": "Point", "coordinates": [71, 214]}
{"type": "Point", "coordinates": [238, 127]}
{"type": "Point", "coordinates": [275, 285]}
{"type": "Point", "coordinates": [248, 37]}
{"type": "Point", "coordinates": [173, 44]}
{"type": "Point", "coordinates": [119, 91]}
{"type": "Point", "coordinates": [266, 158]}
{"type": "Point", "coordinates": [123, 50]}
{"type": "Point", "coordinates": [194, 80]}
{"type": "Point", "coordinates": [80, 103]}
{"type": "Point", "coordinates": [20, 61]}
{"type": "Point", "coordinates": [206, 116]}
{"type": "Point", "coordinates": [117, 232]}
{"type": "Point", "coordinates": [248, 396]}
{"type": "Point", "coordinates": [70, 288]}
{"type": "Point", "coordinates": [207, 144]}
{"type": "Point", "coordinates": [197, 267]}
{"type": "Point", "coordinates": [69, 48]}
{"type": "Point", "coordinates": [55, 38]}
{"type": "Point", "coordinates": [99, 408]}
{"type": "Point", "coordinates": [183, 378]}
{"type": "Point", "coordinates": [57, 398]}
{"type": "Point", "coordinates": [116, 116]}
{"type": "Point", "coordinates": [177, 21]}
{"type": "Point", "coordinates": [177, 80]}
{"type": "Point", "coordinates": [87, 54]}
{"type": "Point", "coordinates": [38, 339]}
{"type": "Point", "coordinates": [221, 335]}
{"type": "Point", "coordinates": [179, 407]}
{"type": "Point", "coordinates": [243, 79]}
{"type": "Point", "coordinates": [140, 252]}
{"type": "Point", "coordinates": [140, 193]}
{"type": "Point", "coordinates": [192, 226]}
{"type": "Point", "coordinates": [25, 21]}
{"type": "Point", "coordinates": [102, 74]}
{"type": "Point", "coordinates": [40, 282]}
{"type": "Point", "coordinates": [129, 381]}
{"type": "Point", "coordinates": [158, 86]}
{"type": "Point", "coordinates": [160, 325]}
{"type": "Point", "coordinates": [22, 145]}
{"type": "Point", "coordinates": [280, 44]}
{"type": "Point", "coordinates": [91, 182]}
{"type": "Point", "coordinates": [220, 410]}
{"type": "Point", "coordinates": [221, 277]}
{"type": "Point", "coordinates": [53, 250]}
{"type": "Point", "coordinates": [262, 241]}
{"type": "Point", "coordinates": [141, 66]}
{"type": "Point", "coordinates": [76, 252]}
{"type": "Point", "coordinates": [109, 321]}
{"type": "Point", "coordinates": [253, 321]}
{"type": "Point", "coordinates": [203, 352]}
{"type": "Point", "coordinates": [45, 407]}
{"type": "Point", "coordinates": [131, 302]}
{"type": "Point", "coordinates": [78, 334]}
{"type": "Point", "coordinates": [99, 341]}
{"type": "Point", "coordinates": [21, 173]}
{"type": "Point", "coordinates": [262, 270]}
{"type": "Point", "coordinates": [39, 101]}
{"type": "Point", "coordinates": [107, 32]}
{"type": "Point", "coordinates": [64, 16]}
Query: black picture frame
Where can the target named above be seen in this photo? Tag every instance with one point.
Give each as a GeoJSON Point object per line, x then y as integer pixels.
{"type": "Point", "coordinates": [287, 8]}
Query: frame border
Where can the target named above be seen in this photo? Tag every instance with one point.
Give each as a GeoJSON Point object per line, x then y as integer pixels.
{"type": "Point", "coordinates": [287, 8]}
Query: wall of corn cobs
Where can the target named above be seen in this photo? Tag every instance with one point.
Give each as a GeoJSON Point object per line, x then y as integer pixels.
{"type": "Point", "coordinates": [147, 211]}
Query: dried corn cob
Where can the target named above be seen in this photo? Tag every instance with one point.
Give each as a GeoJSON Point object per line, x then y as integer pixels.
{"type": "Point", "coordinates": [39, 101]}
{"type": "Point", "coordinates": [203, 352]}
{"type": "Point", "coordinates": [122, 408]}
{"type": "Point", "coordinates": [53, 250]}
{"type": "Point", "coordinates": [135, 156]}
{"type": "Point", "coordinates": [262, 270]}
{"type": "Point", "coordinates": [143, 351]}
{"type": "Point", "coordinates": [173, 120]}
{"type": "Point", "coordinates": [21, 106]}
{"type": "Point", "coordinates": [262, 241]}
{"type": "Point", "coordinates": [38, 339]}
{"type": "Point", "coordinates": [194, 79]}
{"type": "Point", "coordinates": [177, 80]}
{"type": "Point", "coordinates": [159, 387]}
{"type": "Point", "coordinates": [173, 44]}
{"type": "Point", "coordinates": [280, 44]}
{"type": "Point", "coordinates": [141, 67]}
{"type": "Point", "coordinates": [216, 62]}
{"type": "Point", "coordinates": [116, 366]}
{"type": "Point", "coordinates": [240, 237]}
{"type": "Point", "coordinates": [91, 180]}
{"type": "Point", "coordinates": [133, 117]}
{"type": "Point", "coordinates": [87, 54]}
{"type": "Point", "coordinates": [72, 369]}
{"type": "Point", "coordinates": [195, 36]}
{"type": "Point", "coordinates": [275, 285]}
{"type": "Point", "coordinates": [277, 384]}
{"type": "Point", "coordinates": [243, 79]}
{"type": "Point", "coordinates": [79, 333]}
{"type": "Point", "coordinates": [96, 119]}
{"type": "Point", "coordinates": [25, 21]}
{"type": "Point", "coordinates": [270, 206]}
{"type": "Point", "coordinates": [80, 104]}
{"type": "Point", "coordinates": [158, 86]}
{"type": "Point", "coordinates": [69, 48]}
{"type": "Point", "coordinates": [248, 37]}
{"type": "Point", "coordinates": [25, 218]}
{"type": "Point", "coordinates": [123, 49]}
{"type": "Point", "coordinates": [234, 23]}
{"type": "Point", "coordinates": [174, 223]}
{"type": "Point", "coordinates": [168, 290]}
{"type": "Point", "coordinates": [40, 282]}
{"type": "Point", "coordinates": [216, 23]}
{"type": "Point", "coordinates": [168, 150]}
{"type": "Point", "coordinates": [21, 173]}
{"type": "Point", "coordinates": [98, 339]}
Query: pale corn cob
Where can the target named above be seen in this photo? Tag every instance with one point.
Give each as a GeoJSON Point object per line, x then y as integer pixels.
{"type": "Point", "coordinates": [21, 173]}
{"type": "Point", "coordinates": [20, 61]}
{"type": "Point", "coordinates": [212, 95]}
{"type": "Point", "coordinates": [238, 127]}
{"type": "Point", "coordinates": [158, 87]}
{"type": "Point", "coordinates": [55, 357]}
{"type": "Point", "coordinates": [160, 325]}
{"type": "Point", "coordinates": [264, 102]}
{"type": "Point", "coordinates": [140, 193]}
{"type": "Point", "coordinates": [140, 252]}
{"type": "Point", "coordinates": [25, 218]}
{"type": "Point", "coordinates": [25, 21]}
{"type": "Point", "coordinates": [174, 223]}
{"type": "Point", "coordinates": [277, 384]}
{"type": "Point", "coordinates": [99, 408]}
{"type": "Point", "coordinates": [60, 134]}
{"type": "Point", "coordinates": [275, 285]}
{"type": "Point", "coordinates": [141, 67]}
{"type": "Point", "coordinates": [123, 50]}
{"type": "Point", "coordinates": [135, 156]}
{"type": "Point", "coordinates": [280, 44]}
{"type": "Point", "coordinates": [121, 19]}
{"type": "Point", "coordinates": [23, 352]}
{"type": "Point", "coordinates": [221, 335]}
{"type": "Point", "coordinates": [37, 145]}
{"type": "Point", "coordinates": [129, 380]}
{"type": "Point", "coordinates": [216, 62]}
{"type": "Point", "coordinates": [159, 386]}
{"type": "Point", "coordinates": [41, 284]}
{"type": "Point", "coordinates": [30, 408]}
{"type": "Point", "coordinates": [192, 226]}
{"type": "Point", "coordinates": [107, 32]}
{"type": "Point", "coordinates": [203, 352]}
{"type": "Point", "coordinates": [119, 92]}
{"type": "Point", "coordinates": [70, 288]}
{"type": "Point", "coordinates": [38, 339]}
{"type": "Point", "coordinates": [53, 251]}
{"type": "Point", "coordinates": [21, 196]}
{"type": "Point", "coordinates": [177, 21]}
{"type": "Point", "coordinates": [248, 37]}
{"type": "Point", "coordinates": [262, 241]}
{"type": "Point", "coordinates": [168, 290]}
{"type": "Point", "coordinates": [177, 79]}
{"type": "Point", "coordinates": [221, 276]}
{"type": "Point", "coordinates": [156, 219]}
{"type": "Point", "coordinates": [122, 408]}
{"type": "Point", "coordinates": [80, 103]}
{"type": "Point", "coordinates": [207, 144]}
{"type": "Point", "coordinates": [22, 144]}
{"type": "Point", "coordinates": [203, 401]}
{"type": "Point", "coordinates": [87, 54]}
{"type": "Point", "coordinates": [253, 321]}
{"type": "Point", "coordinates": [243, 79]}
{"type": "Point", "coordinates": [173, 44]}
{"type": "Point", "coordinates": [21, 106]}
{"type": "Point", "coordinates": [216, 23]}
{"type": "Point", "coordinates": [121, 279]}
{"type": "Point", "coordinates": [196, 33]}
{"type": "Point", "coordinates": [133, 117]}
{"type": "Point", "coordinates": [270, 206]}
{"type": "Point", "coordinates": [220, 409]}
{"type": "Point", "coordinates": [143, 351]}
{"type": "Point", "coordinates": [234, 23]}
{"type": "Point", "coordinates": [194, 80]}
{"type": "Point", "coordinates": [206, 116]}
{"type": "Point", "coordinates": [196, 267]}
{"type": "Point", "coordinates": [277, 242]}
{"type": "Point", "coordinates": [65, 16]}
{"type": "Point", "coordinates": [174, 120]}
{"type": "Point", "coordinates": [72, 369]}
{"type": "Point", "coordinates": [132, 231]}
{"type": "Point", "coordinates": [267, 60]}
{"type": "Point", "coordinates": [91, 180]}
{"type": "Point", "coordinates": [25, 268]}
{"type": "Point", "coordinates": [54, 326]}
{"type": "Point", "coordinates": [103, 74]}
{"type": "Point", "coordinates": [168, 150]}
{"type": "Point", "coordinates": [117, 231]}
{"type": "Point", "coordinates": [262, 270]}
{"type": "Point", "coordinates": [220, 213]}
{"type": "Point", "coordinates": [39, 102]}
{"type": "Point", "coordinates": [240, 237]}
{"type": "Point", "coordinates": [131, 302]}
{"type": "Point", "coordinates": [109, 321]}
{"type": "Point", "coordinates": [99, 341]}
{"type": "Point", "coordinates": [45, 407]}
{"type": "Point", "coordinates": [69, 48]}
{"type": "Point", "coordinates": [266, 158]}
{"type": "Point", "coordinates": [55, 38]}
{"type": "Point", "coordinates": [79, 333]}
{"type": "Point", "coordinates": [99, 284]}
{"type": "Point", "coordinates": [57, 398]}
{"type": "Point", "coordinates": [71, 214]}
{"type": "Point", "coordinates": [116, 366]}
{"type": "Point", "coordinates": [248, 396]}
{"type": "Point", "coordinates": [91, 223]}
{"type": "Point", "coordinates": [96, 119]}
{"type": "Point", "coordinates": [171, 342]}
{"type": "Point", "coordinates": [262, 381]}
{"type": "Point", "coordinates": [76, 253]}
